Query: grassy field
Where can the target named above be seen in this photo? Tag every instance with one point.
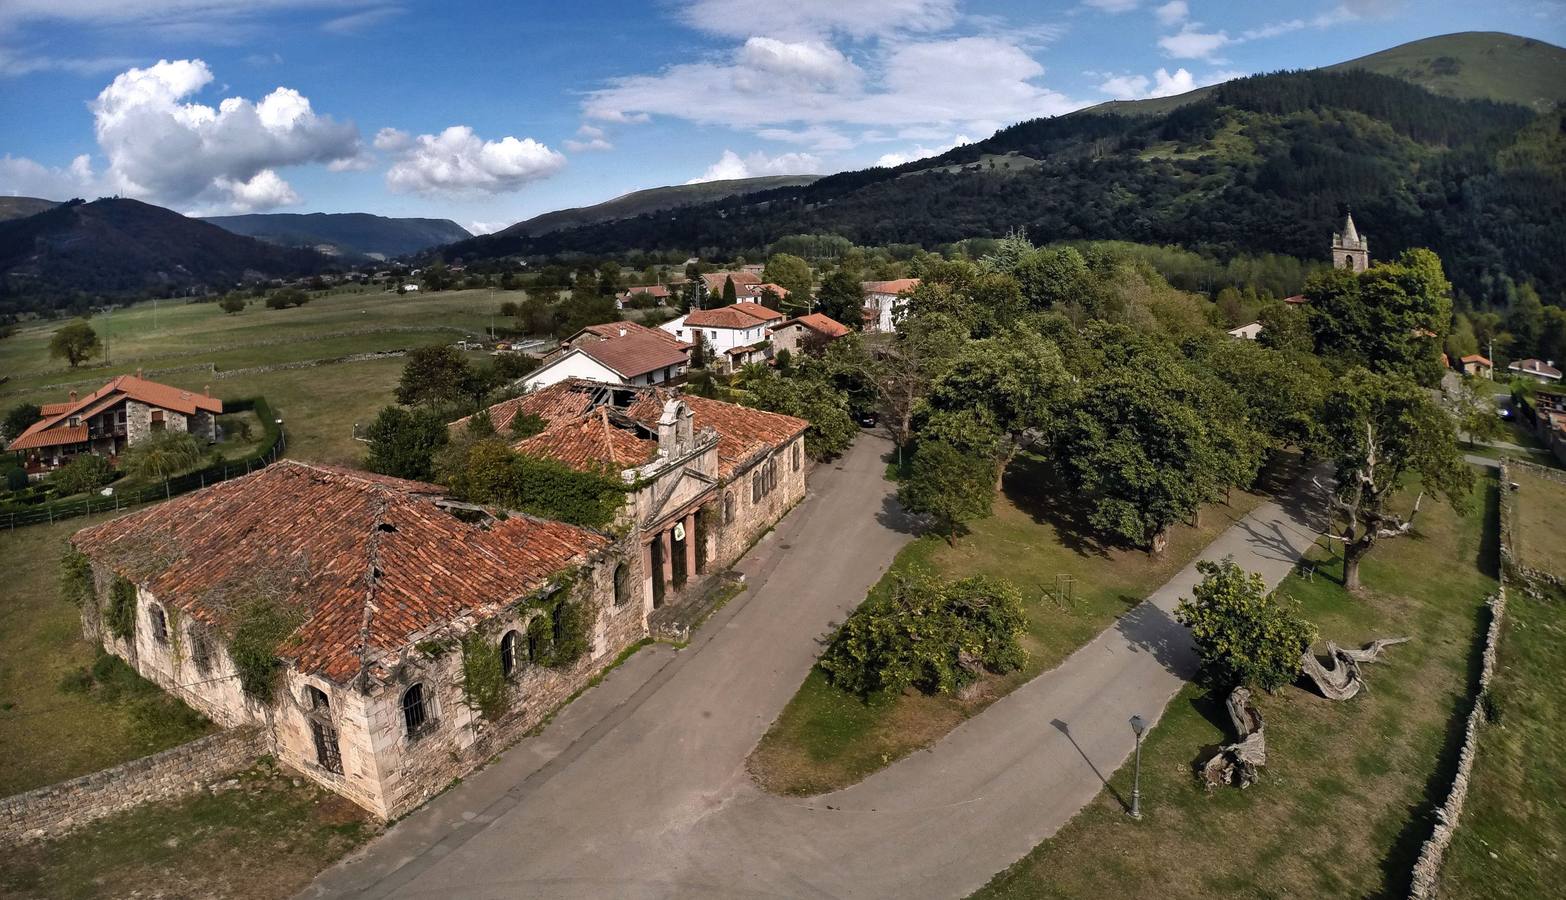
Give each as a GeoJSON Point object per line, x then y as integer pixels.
{"type": "Point", "coordinates": [1350, 789]}
{"type": "Point", "coordinates": [48, 730]}
{"type": "Point", "coordinates": [1540, 541]}
{"type": "Point", "coordinates": [826, 739]}
{"type": "Point", "coordinates": [319, 405]}
{"type": "Point", "coordinates": [265, 837]}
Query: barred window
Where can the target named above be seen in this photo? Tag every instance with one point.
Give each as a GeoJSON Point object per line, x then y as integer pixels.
{"type": "Point", "coordinates": [415, 714]}
{"type": "Point", "coordinates": [796, 455]}
{"type": "Point", "coordinates": [622, 583]}
{"type": "Point", "coordinates": [755, 487]}
{"type": "Point", "coordinates": [508, 653]}
{"type": "Point", "coordinates": [160, 624]}
{"type": "Point", "coordinates": [728, 507]}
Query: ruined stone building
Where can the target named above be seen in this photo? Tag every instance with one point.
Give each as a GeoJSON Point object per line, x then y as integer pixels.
{"type": "Point", "coordinates": [391, 640]}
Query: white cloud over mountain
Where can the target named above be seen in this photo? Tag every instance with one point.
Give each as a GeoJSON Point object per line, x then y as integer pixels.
{"type": "Point", "coordinates": [731, 165]}
{"type": "Point", "coordinates": [457, 163]}
{"type": "Point", "coordinates": [804, 18]}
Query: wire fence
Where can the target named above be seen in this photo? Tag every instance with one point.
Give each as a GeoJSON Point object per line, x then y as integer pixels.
{"type": "Point", "coordinates": [272, 448]}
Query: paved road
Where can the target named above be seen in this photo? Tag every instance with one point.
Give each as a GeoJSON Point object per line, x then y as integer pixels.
{"type": "Point", "coordinates": [639, 789]}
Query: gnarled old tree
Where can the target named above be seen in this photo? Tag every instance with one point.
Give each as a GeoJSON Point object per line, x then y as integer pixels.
{"type": "Point", "coordinates": [1381, 431]}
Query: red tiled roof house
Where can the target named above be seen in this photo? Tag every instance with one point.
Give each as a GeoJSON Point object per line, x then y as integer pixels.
{"type": "Point", "coordinates": [115, 416]}
{"type": "Point", "coordinates": [883, 299]}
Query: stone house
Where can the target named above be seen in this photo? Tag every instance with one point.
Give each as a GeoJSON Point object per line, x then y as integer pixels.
{"type": "Point", "coordinates": [413, 636]}
{"type": "Point", "coordinates": [806, 333]}
{"type": "Point", "coordinates": [118, 415]}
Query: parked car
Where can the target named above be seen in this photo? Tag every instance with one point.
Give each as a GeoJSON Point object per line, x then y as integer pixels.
{"type": "Point", "coordinates": [869, 419]}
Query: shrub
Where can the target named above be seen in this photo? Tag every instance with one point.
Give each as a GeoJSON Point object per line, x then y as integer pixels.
{"type": "Point", "coordinates": [931, 635]}
{"type": "Point", "coordinates": [483, 680]}
{"type": "Point", "coordinates": [16, 479]}
{"type": "Point", "coordinates": [76, 681]}
{"type": "Point", "coordinates": [76, 583]}
{"type": "Point", "coordinates": [87, 472]}
{"type": "Point", "coordinates": [1244, 635]}
{"type": "Point", "coordinates": [162, 455]}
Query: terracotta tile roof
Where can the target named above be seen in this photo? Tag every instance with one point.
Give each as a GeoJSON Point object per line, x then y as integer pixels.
{"type": "Point", "coordinates": [756, 290]}
{"type": "Point", "coordinates": [610, 330]}
{"type": "Point", "coordinates": [735, 315]}
{"type": "Point", "coordinates": [714, 280]}
{"type": "Point", "coordinates": [1474, 357]}
{"type": "Point", "coordinates": [743, 433]}
{"type": "Point", "coordinates": [1297, 299]}
{"type": "Point", "coordinates": [655, 290]}
{"type": "Point", "coordinates": [896, 286]}
{"type": "Point", "coordinates": [564, 400]}
{"type": "Point", "coordinates": [821, 324]}
{"type": "Point", "coordinates": [591, 442]}
{"type": "Point", "coordinates": [637, 354]}
{"type": "Point", "coordinates": [54, 409]}
{"type": "Point", "coordinates": [1526, 366]}
{"type": "Point", "coordinates": [46, 432]}
{"type": "Point", "coordinates": [337, 526]}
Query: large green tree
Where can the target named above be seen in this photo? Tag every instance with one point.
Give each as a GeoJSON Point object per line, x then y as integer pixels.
{"type": "Point", "coordinates": [434, 375]}
{"type": "Point", "coordinates": [19, 418]}
{"type": "Point", "coordinates": [1003, 386]}
{"type": "Point", "coordinates": [1392, 317]}
{"type": "Point", "coordinates": [1381, 431]}
{"type": "Point", "coordinates": [403, 442]}
{"type": "Point", "coordinates": [1245, 636]}
{"type": "Point", "coordinates": [807, 394]}
{"type": "Point", "coordinates": [75, 343]}
{"type": "Point", "coordinates": [842, 299]}
{"type": "Point", "coordinates": [792, 274]}
{"type": "Point", "coordinates": [950, 486]}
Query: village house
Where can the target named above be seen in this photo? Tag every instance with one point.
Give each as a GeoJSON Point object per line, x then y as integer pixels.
{"type": "Point", "coordinates": [883, 299]}
{"type": "Point", "coordinates": [1478, 366]}
{"type": "Point", "coordinates": [614, 353]}
{"type": "Point", "coordinates": [711, 283]}
{"type": "Point", "coordinates": [1539, 370]}
{"type": "Point", "coordinates": [393, 599]}
{"type": "Point", "coordinates": [1248, 332]}
{"type": "Point", "coordinates": [805, 333]}
{"type": "Point", "coordinates": [733, 335]}
{"type": "Point", "coordinates": [659, 292]}
{"type": "Point", "coordinates": [118, 415]}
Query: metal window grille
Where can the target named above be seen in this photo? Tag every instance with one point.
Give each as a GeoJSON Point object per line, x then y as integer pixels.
{"type": "Point", "coordinates": [160, 625]}
{"type": "Point", "coordinates": [508, 653]}
{"type": "Point", "coordinates": [415, 711]}
{"type": "Point", "coordinates": [327, 753]}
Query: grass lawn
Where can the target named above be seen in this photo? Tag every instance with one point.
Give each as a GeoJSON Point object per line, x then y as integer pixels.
{"type": "Point", "coordinates": [49, 732]}
{"type": "Point", "coordinates": [1350, 789]}
{"type": "Point", "coordinates": [1539, 539]}
{"type": "Point", "coordinates": [826, 739]}
{"type": "Point", "coordinates": [264, 838]}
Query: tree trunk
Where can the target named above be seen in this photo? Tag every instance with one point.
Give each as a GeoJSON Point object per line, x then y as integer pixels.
{"type": "Point", "coordinates": [1353, 553]}
{"type": "Point", "coordinates": [1159, 543]}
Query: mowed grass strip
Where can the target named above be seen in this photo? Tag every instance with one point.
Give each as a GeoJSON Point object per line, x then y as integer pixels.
{"type": "Point", "coordinates": [262, 838]}
{"type": "Point", "coordinates": [1350, 789]}
{"type": "Point", "coordinates": [1073, 587]}
{"type": "Point", "coordinates": [1540, 506]}
{"type": "Point", "coordinates": [48, 734]}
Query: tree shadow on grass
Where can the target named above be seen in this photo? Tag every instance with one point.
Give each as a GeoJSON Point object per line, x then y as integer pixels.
{"type": "Point", "coordinates": [1034, 487]}
{"type": "Point", "coordinates": [1397, 866]}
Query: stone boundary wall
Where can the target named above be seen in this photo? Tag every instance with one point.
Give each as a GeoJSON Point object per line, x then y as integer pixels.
{"type": "Point", "coordinates": [1426, 879]}
{"type": "Point", "coordinates": [59, 808]}
{"type": "Point", "coordinates": [1527, 577]}
{"type": "Point", "coordinates": [312, 363]}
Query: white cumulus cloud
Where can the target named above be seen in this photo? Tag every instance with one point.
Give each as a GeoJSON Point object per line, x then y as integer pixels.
{"type": "Point", "coordinates": [731, 165]}
{"type": "Point", "coordinates": [1173, 13]}
{"type": "Point", "coordinates": [458, 163]}
{"type": "Point", "coordinates": [164, 149]}
{"type": "Point", "coordinates": [588, 138]}
{"type": "Point", "coordinates": [920, 151]}
{"type": "Point", "coordinates": [857, 19]}
{"type": "Point", "coordinates": [1190, 42]}
{"type": "Point", "coordinates": [1162, 84]}
{"type": "Point", "coordinates": [22, 177]}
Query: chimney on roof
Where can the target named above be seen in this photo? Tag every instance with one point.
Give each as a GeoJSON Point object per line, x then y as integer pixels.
{"type": "Point", "coordinates": [622, 331]}
{"type": "Point", "coordinates": [206, 390]}
{"type": "Point", "coordinates": [138, 371]}
{"type": "Point", "coordinates": [73, 396]}
{"type": "Point", "coordinates": [674, 428]}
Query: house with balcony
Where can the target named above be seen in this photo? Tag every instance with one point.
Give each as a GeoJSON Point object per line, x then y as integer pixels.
{"type": "Point", "coordinates": [118, 415]}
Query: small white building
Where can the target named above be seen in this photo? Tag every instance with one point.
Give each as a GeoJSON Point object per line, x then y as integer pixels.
{"type": "Point", "coordinates": [724, 329]}
{"type": "Point", "coordinates": [628, 359]}
{"type": "Point", "coordinates": [1246, 332]}
{"type": "Point", "coordinates": [883, 300]}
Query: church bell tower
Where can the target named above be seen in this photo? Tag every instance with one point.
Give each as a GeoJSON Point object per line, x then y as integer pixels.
{"type": "Point", "coordinates": [1349, 250]}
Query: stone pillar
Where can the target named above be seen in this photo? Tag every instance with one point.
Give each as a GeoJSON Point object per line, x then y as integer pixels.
{"type": "Point", "coordinates": [647, 575]}
{"type": "Point", "coordinates": [690, 548]}
{"type": "Point", "coordinates": [668, 558]}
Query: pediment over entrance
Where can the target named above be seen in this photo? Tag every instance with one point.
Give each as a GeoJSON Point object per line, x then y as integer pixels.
{"type": "Point", "coordinates": [678, 492]}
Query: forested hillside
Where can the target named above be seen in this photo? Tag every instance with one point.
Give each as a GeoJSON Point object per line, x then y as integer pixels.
{"type": "Point", "coordinates": [353, 235]}
{"type": "Point", "coordinates": [1265, 164]}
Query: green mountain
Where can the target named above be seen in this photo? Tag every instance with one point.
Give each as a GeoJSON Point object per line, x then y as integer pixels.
{"type": "Point", "coordinates": [353, 235]}
{"type": "Point", "coordinates": [1469, 65]}
{"type": "Point", "coordinates": [79, 251]}
{"type": "Point", "coordinates": [626, 206]}
{"type": "Point", "coordinates": [21, 207]}
{"type": "Point", "coordinates": [1265, 164]}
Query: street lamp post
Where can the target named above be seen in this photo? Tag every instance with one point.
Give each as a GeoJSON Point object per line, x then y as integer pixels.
{"type": "Point", "coordinates": [1137, 726]}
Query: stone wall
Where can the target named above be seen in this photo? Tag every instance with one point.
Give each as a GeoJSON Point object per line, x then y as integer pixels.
{"type": "Point", "coordinates": [1427, 868]}
{"type": "Point", "coordinates": [751, 518]}
{"type": "Point", "coordinates": [54, 810]}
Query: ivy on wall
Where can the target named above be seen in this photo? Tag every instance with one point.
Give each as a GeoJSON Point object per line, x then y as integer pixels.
{"type": "Point", "coordinates": [260, 625]}
{"type": "Point", "coordinates": [483, 680]}
{"type": "Point", "coordinates": [76, 582]}
{"type": "Point", "coordinates": [121, 614]}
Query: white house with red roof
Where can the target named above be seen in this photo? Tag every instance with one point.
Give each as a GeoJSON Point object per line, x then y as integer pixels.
{"type": "Point", "coordinates": [614, 353]}
{"type": "Point", "coordinates": [118, 415]}
{"type": "Point", "coordinates": [733, 335]}
{"type": "Point", "coordinates": [883, 299]}
{"type": "Point", "coordinates": [1542, 371]}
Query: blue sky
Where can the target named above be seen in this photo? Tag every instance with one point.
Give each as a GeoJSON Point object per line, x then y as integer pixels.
{"type": "Point", "coordinates": [489, 112]}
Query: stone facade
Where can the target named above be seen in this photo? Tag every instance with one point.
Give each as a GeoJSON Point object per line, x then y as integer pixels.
{"type": "Point", "coordinates": [54, 810]}
{"type": "Point", "coordinates": [752, 506]}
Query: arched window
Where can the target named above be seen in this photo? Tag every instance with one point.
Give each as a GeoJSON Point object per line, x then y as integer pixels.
{"type": "Point", "coordinates": [160, 624]}
{"type": "Point", "coordinates": [508, 653]}
{"type": "Point", "coordinates": [622, 583]}
{"type": "Point", "coordinates": [328, 755]}
{"type": "Point", "coordinates": [728, 507]}
{"type": "Point", "coordinates": [755, 487]}
{"type": "Point", "coordinates": [415, 715]}
{"type": "Point", "coordinates": [316, 699]}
